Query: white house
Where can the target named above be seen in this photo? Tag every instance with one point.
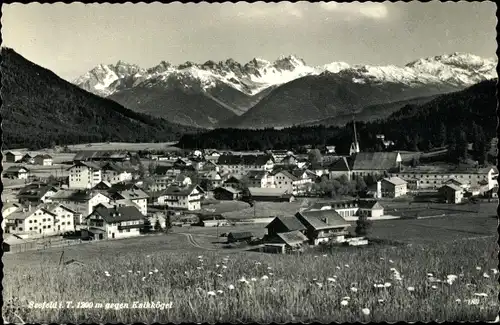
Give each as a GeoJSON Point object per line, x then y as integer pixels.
{"type": "Point", "coordinates": [43, 220]}
{"type": "Point", "coordinates": [44, 160]}
{"type": "Point", "coordinates": [214, 178]}
{"type": "Point", "coordinates": [136, 196]}
{"type": "Point", "coordinates": [182, 198]}
{"type": "Point", "coordinates": [16, 172]}
{"type": "Point", "coordinates": [84, 175]}
{"type": "Point", "coordinates": [393, 187]}
{"type": "Point", "coordinates": [112, 173]}
{"type": "Point", "coordinates": [260, 178]}
{"type": "Point", "coordinates": [351, 208]}
{"type": "Point", "coordinates": [80, 201]}
{"type": "Point", "coordinates": [242, 164]}
{"type": "Point", "coordinates": [115, 222]}
{"type": "Point", "coordinates": [13, 156]}
{"type": "Point", "coordinates": [452, 193]}
{"type": "Point", "coordinates": [294, 182]}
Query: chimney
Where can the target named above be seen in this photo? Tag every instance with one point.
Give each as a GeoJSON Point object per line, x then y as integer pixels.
{"type": "Point", "coordinates": [29, 207]}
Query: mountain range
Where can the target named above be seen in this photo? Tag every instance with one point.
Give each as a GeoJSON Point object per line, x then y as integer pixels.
{"type": "Point", "coordinates": [40, 110]}
{"type": "Point", "coordinates": [282, 93]}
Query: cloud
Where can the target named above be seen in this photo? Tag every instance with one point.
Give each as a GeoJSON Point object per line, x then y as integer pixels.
{"type": "Point", "coordinates": [368, 10]}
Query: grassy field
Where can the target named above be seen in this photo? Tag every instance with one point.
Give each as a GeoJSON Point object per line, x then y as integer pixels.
{"type": "Point", "coordinates": [125, 146]}
{"type": "Point", "coordinates": [337, 286]}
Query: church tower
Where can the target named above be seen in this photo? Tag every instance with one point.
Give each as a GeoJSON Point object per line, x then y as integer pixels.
{"type": "Point", "coordinates": [355, 145]}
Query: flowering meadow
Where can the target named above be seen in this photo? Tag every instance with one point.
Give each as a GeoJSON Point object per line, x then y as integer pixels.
{"type": "Point", "coordinates": [442, 282]}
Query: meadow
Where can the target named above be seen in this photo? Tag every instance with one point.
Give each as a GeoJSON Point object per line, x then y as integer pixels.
{"type": "Point", "coordinates": [444, 281]}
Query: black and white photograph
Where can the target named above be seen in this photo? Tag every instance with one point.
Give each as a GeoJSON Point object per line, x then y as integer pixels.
{"type": "Point", "coordinates": [286, 162]}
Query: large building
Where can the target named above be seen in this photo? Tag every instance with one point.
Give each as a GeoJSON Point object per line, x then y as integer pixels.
{"type": "Point", "coordinates": [84, 175]}
{"type": "Point", "coordinates": [182, 198]}
{"type": "Point", "coordinates": [113, 222]}
{"type": "Point", "coordinates": [242, 164]}
{"type": "Point", "coordinates": [393, 187]}
{"type": "Point", "coordinates": [80, 201]}
{"type": "Point", "coordinates": [113, 173]}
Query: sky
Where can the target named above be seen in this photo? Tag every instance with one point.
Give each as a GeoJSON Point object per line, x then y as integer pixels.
{"type": "Point", "coordinates": [71, 39]}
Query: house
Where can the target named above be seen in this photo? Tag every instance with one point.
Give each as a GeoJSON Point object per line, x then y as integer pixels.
{"type": "Point", "coordinates": [113, 222]}
{"type": "Point", "coordinates": [351, 208]}
{"type": "Point", "coordinates": [323, 226]}
{"type": "Point", "coordinates": [210, 165]}
{"type": "Point", "coordinates": [80, 201]}
{"type": "Point", "coordinates": [16, 172]}
{"type": "Point", "coordinates": [237, 237]}
{"type": "Point", "coordinates": [28, 159]}
{"type": "Point", "coordinates": [138, 197]}
{"type": "Point", "coordinates": [370, 208]}
{"type": "Point", "coordinates": [340, 168]}
{"type": "Point", "coordinates": [182, 180]}
{"type": "Point", "coordinates": [36, 193]}
{"type": "Point", "coordinates": [260, 178]}
{"type": "Point", "coordinates": [211, 220]}
{"type": "Point", "coordinates": [452, 193]}
{"type": "Point", "coordinates": [234, 181]}
{"type": "Point", "coordinates": [330, 149]}
{"type": "Point", "coordinates": [43, 220]}
{"type": "Point", "coordinates": [44, 160]}
{"type": "Point", "coordinates": [393, 187]}
{"type": "Point", "coordinates": [113, 173]}
{"type": "Point", "coordinates": [227, 193]}
{"type": "Point", "coordinates": [242, 164]}
{"type": "Point", "coordinates": [84, 175]}
{"type": "Point", "coordinates": [182, 198]}
{"type": "Point", "coordinates": [269, 195]}
{"type": "Point", "coordinates": [8, 208]}
{"type": "Point", "coordinates": [212, 179]}
{"type": "Point", "coordinates": [13, 156]}
{"type": "Point", "coordinates": [295, 181]}
{"type": "Point", "coordinates": [102, 186]}
{"type": "Point", "coordinates": [375, 163]}
{"type": "Point", "coordinates": [283, 224]}
{"type": "Point", "coordinates": [458, 183]}
{"type": "Point", "coordinates": [286, 242]}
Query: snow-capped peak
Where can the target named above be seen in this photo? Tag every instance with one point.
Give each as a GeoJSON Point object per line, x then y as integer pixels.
{"type": "Point", "coordinates": [460, 69]}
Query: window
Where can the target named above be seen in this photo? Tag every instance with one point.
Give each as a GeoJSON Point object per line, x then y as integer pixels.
{"type": "Point", "coordinates": [44, 227]}
{"type": "Point", "coordinates": [20, 228]}
{"type": "Point", "coordinates": [31, 228]}
{"type": "Point", "coordinates": [48, 226]}
{"type": "Point", "coordinates": [43, 219]}
{"type": "Point", "coordinates": [30, 221]}
{"type": "Point", "coordinates": [62, 223]}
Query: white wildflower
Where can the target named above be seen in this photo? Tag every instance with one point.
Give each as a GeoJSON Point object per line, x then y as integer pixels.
{"type": "Point", "coordinates": [220, 292]}
{"type": "Point", "coordinates": [338, 267]}
{"type": "Point", "coordinates": [224, 267]}
{"type": "Point", "coordinates": [242, 280]}
{"type": "Point", "coordinates": [485, 275]}
{"type": "Point", "coordinates": [365, 311]}
{"type": "Point", "coordinates": [320, 285]}
{"type": "Point", "coordinates": [458, 300]}
{"type": "Point", "coordinates": [346, 298]}
{"type": "Point", "coordinates": [381, 301]}
{"type": "Point", "coordinates": [331, 280]}
{"type": "Point", "coordinates": [495, 271]}
{"type": "Point", "coordinates": [150, 273]}
{"type": "Point", "coordinates": [430, 274]}
{"type": "Point", "coordinates": [219, 275]}
{"type": "Point", "coordinates": [387, 284]}
{"type": "Point", "coordinates": [264, 277]}
{"type": "Point", "coordinates": [347, 265]}
{"type": "Point", "coordinates": [481, 294]}
{"type": "Point", "coordinates": [271, 273]}
{"type": "Point", "coordinates": [217, 265]}
{"type": "Point", "coordinates": [257, 263]}
{"type": "Point", "coordinates": [315, 255]}
{"type": "Point", "coordinates": [148, 255]}
{"type": "Point", "coordinates": [382, 258]}
{"type": "Point", "coordinates": [434, 287]}
{"type": "Point", "coordinates": [478, 268]}
{"type": "Point", "coordinates": [201, 256]}
{"type": "Point", "coordinates": [198, 267]}
{"type": "Point", "coordinates": [155, 270]}
{"type": "Point", "coordinates": [138, 271]}
{"type": "Point", "coordinates": [211, 293]}
{"type": "Point", "coordinates": [391, 261]}
{"type": "Point", "coordinates": [231, 287]}
{"type": "Point", "coordinates": [253, 279]}
{"type": "Point", "coordinates": [353, 289]}
{"type": "Point", "coordinates": [411, 289]}
{"type": "Point", "coordinates": [129, 271]}
{"type": "Point", "coordinates": [122, 275]}
{"type": "Point", "coordinates": [269, 268]}
{"type": "Point", "coordinates": [324, 255]}
{"type": "Point", "coordinates": [143, 278]}
{"type": "Point", "coordinates": [344, 302]}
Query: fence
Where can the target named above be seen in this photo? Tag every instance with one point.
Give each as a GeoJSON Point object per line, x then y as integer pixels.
{"type": "Point", "coordinates": [30, 246]}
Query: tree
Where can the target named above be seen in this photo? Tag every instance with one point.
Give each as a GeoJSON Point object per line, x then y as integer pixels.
{"type": "Point", "coordinates": [168, 223]}
{"type": "Point", "coordinates": [315, 157]}
{"type": "Point", "coordinates": [157, 225]}
{"type": "Point", "coordinates": [147, 225]}
{"type": "Point", "coordinates": [415, 161]}
{"type": "Point", "coordinates": [441, 137]}
{"type": "Point", "coordinates": [360, 184]}
{"type": "Point", "coordinates": [363, 226]}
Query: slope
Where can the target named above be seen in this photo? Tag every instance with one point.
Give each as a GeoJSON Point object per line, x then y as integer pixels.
{"type": "Point", "coordinates": [312, 98]}
{"type": "Point", "coordinates": [40, 109]}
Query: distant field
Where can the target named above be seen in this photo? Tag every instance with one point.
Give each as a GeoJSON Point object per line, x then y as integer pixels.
{"type": "Point", "coordinates": [125, 146]}
{"type": "Point", "coordinates": [267, 209]}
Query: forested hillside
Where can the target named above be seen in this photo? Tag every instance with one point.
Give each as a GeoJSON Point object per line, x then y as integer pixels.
{"type": "Point", "coordinates": [40, 109]}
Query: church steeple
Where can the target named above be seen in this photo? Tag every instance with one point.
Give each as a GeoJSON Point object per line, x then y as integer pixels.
{"type": "Point", "coordinates": [355, 145]}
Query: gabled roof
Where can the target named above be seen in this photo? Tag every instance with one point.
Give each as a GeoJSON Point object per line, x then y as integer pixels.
{"type": "Point", "coordinates": [374, 161]}
{"type": "Point", "coordinates": [74, 195]}
{"type": "Point", "coordinates": [43, 156]}
{"type": "Point", "coordinates": [212, 175]}
{"type": "Point", "coordinates": [15, 153]}
{"type": "Point", "coordinates": [24, 212]}
{"type": "Point", "coordinates": [453, 187]}
{"type": "Point", "coordinates": [395, 180]}
{"type": "Point", "coordinates": [102, 185]}
{"type": "Point", "coordinates": [341, 165]}
{"type": "Point", "coordinates": [323, 219]}
{"type": "Point", "coordinates": [228, 189]}
{"type": "Point", "coordinates": [455, 181]}
{"type": "Point", "coordinates": [292, 237]}
{"type": "Point", "coordinates": [50, 207]}
{"type": "Point", "coordinates": [182, 191]}
{"type": "Point", "coordinates": [32, 192]}
{"type": "Point", "coordinates": [369, 204]}
{"type": "Point", "coordinates": [9, 205]}
{"type": "Point", "coordinates": [16, 169]}
{"type": "Point", "coordinates": [291, 223]}
{"type": "Point", "coordinates": [100, 154]}
{"type": "Point", "coordinates": [118, 214]}
{"type": "Point", "coordinates": [113, 167]}
{"type": "Point", "coordinates": [88, 164]}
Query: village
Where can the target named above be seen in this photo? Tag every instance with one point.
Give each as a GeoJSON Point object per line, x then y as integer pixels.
{"type": "Point", "coordinates": [273, 201]}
